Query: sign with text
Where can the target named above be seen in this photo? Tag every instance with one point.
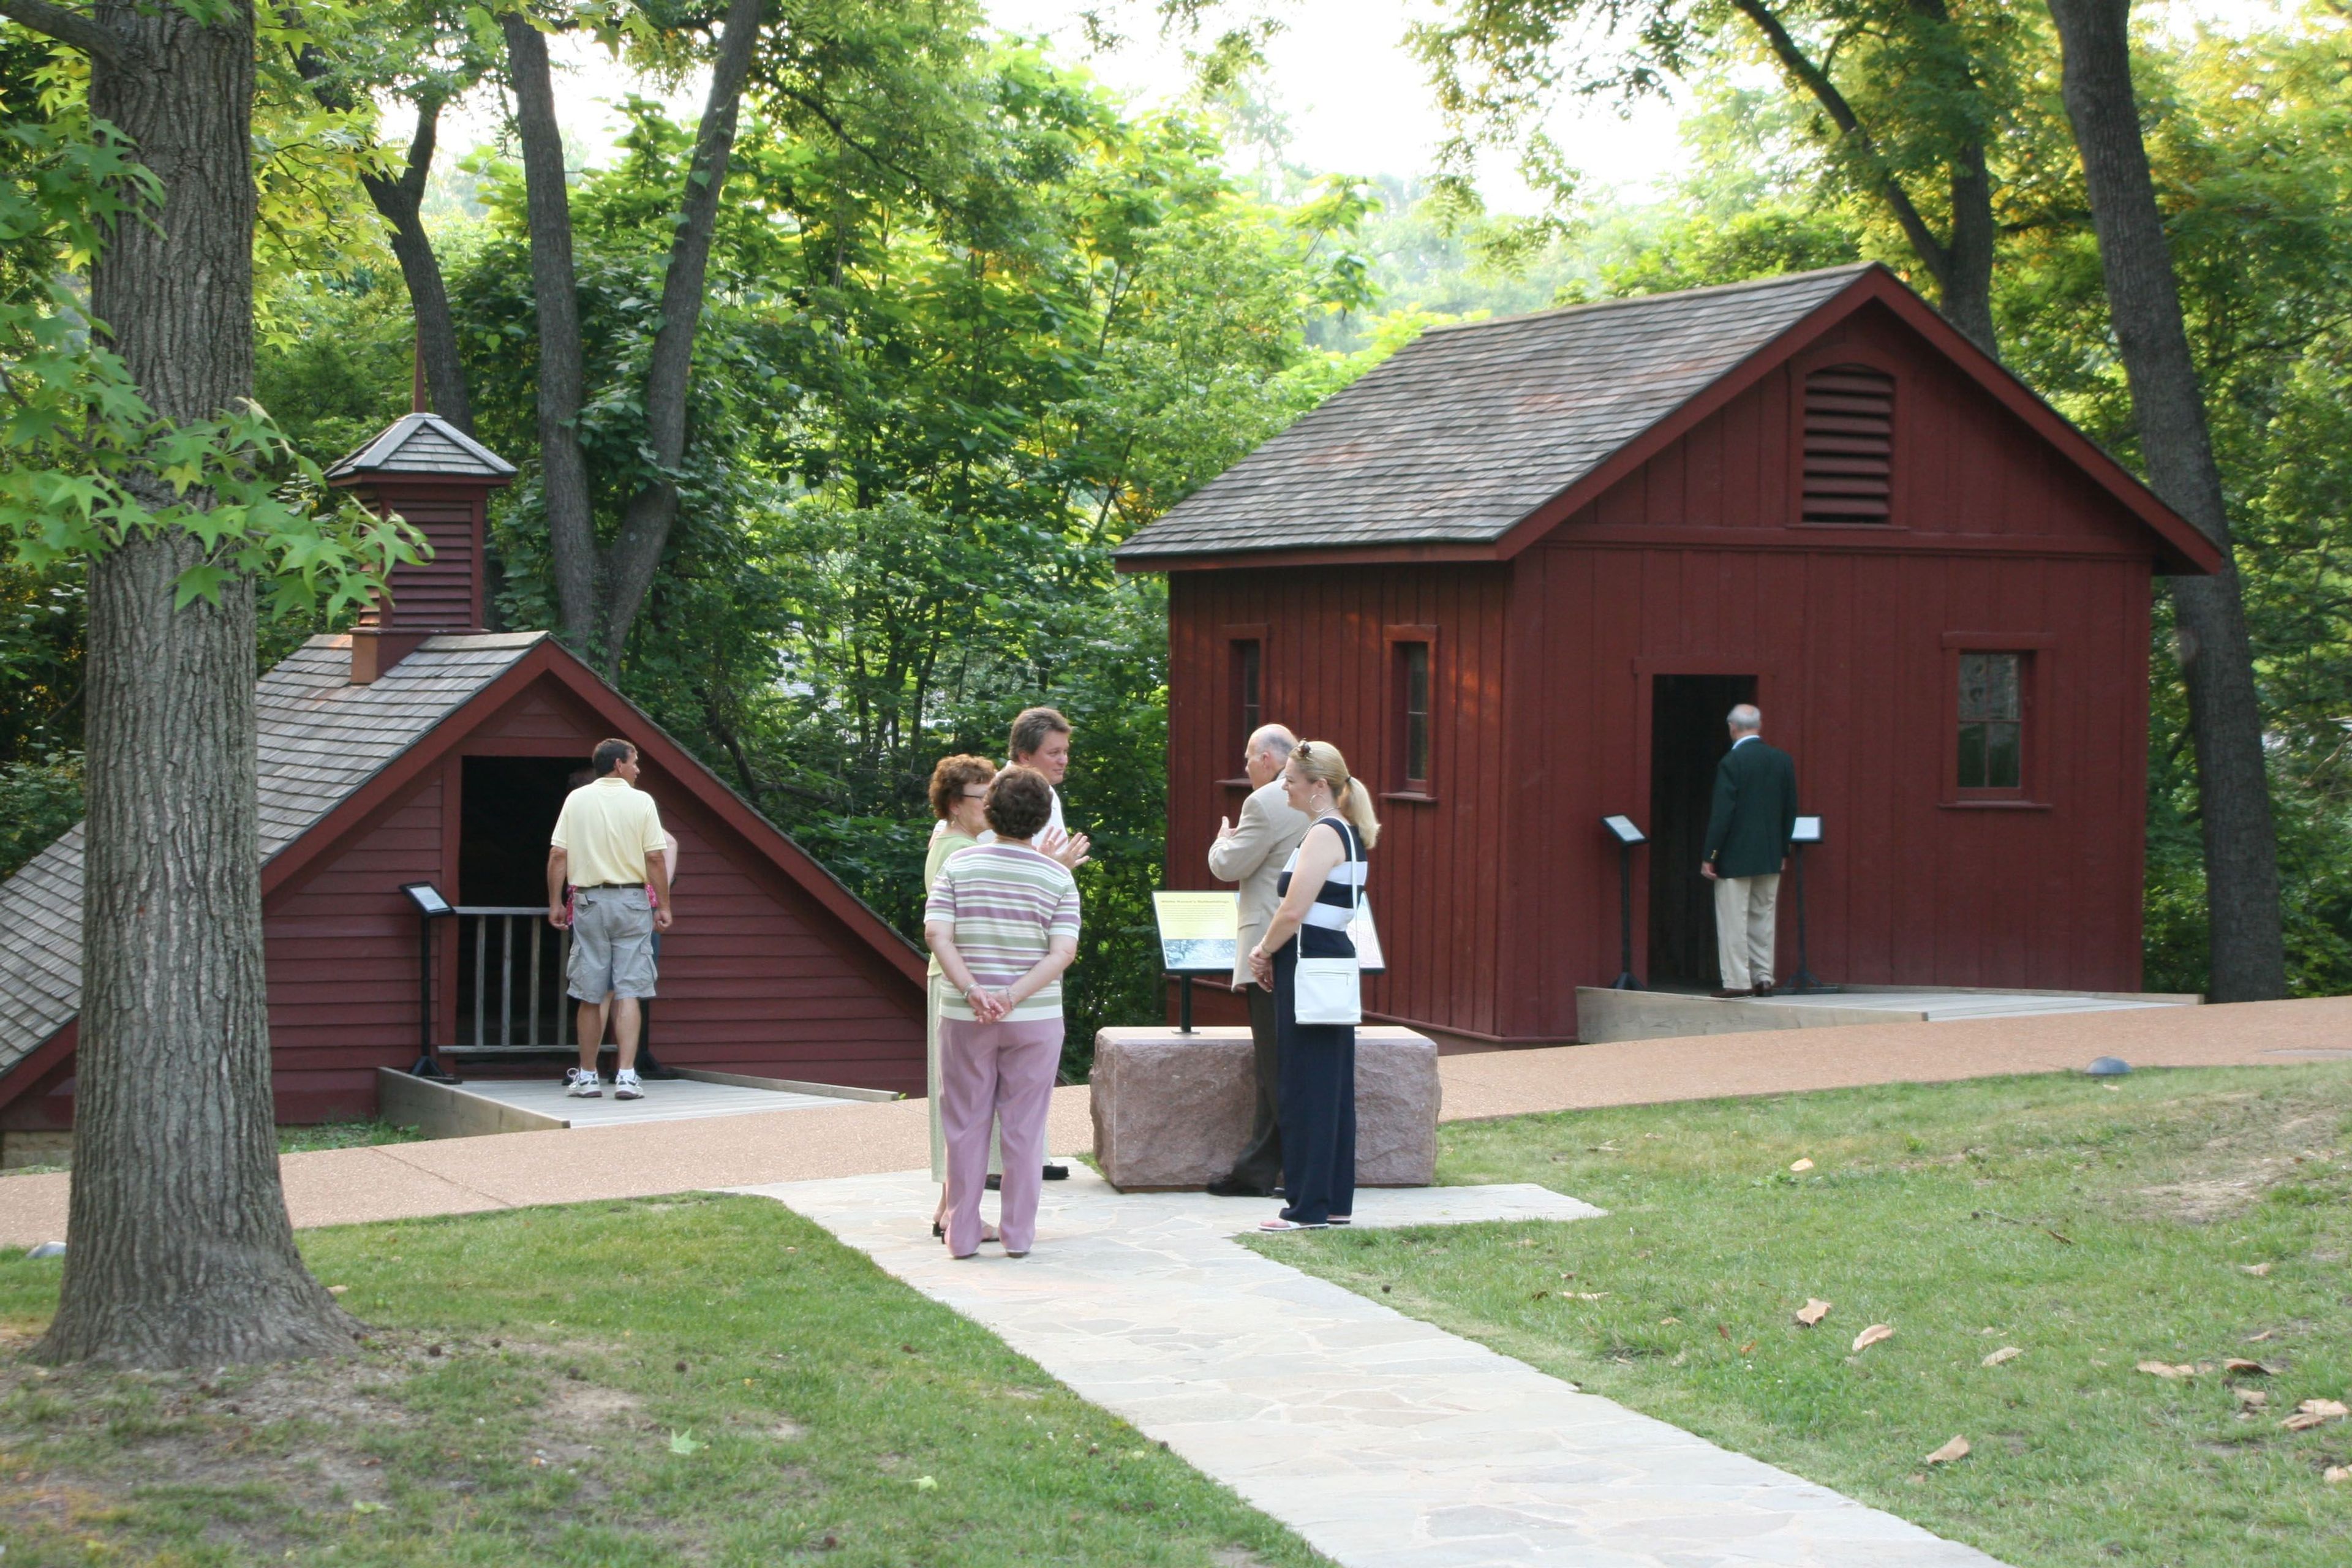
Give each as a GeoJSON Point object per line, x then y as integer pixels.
{"type": "Point", "coordinates": [1197, 931]}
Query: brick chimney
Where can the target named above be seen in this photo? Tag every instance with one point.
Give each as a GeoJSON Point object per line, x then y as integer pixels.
{"type": "Point", "coordinates": [440, 479]}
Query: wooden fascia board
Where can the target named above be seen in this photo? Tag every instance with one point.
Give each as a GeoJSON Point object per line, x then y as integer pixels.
{"type": "Point", "coordinates": [34, 1064]}
{"type": "Point", "coordinates": [394, 775]}
{"type": "Point", "coordinates": [2186, 548]}
{"type": "Point", "coordinates": [2191, 549]}
{"type": "Point", "coordinates": [788, 856]}
{"type": "Point", "coordinates": [550, 657]}
{"type": "Point", "coordinates": [1408, 554]}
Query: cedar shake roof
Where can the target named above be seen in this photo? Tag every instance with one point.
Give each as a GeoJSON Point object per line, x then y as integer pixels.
{"type": "Point", "coordinates": [423, 444]}
{"type": "Point", "coordinates": [1464, 431]}
{"type": "Point", "coordinates": [320, 739]}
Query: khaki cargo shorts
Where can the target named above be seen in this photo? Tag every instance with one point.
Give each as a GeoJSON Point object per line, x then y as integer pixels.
{"type": "Point", "coordinates": [612, 943]}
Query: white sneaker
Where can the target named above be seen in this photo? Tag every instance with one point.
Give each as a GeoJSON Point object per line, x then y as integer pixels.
{"type": "Point", "coordinates": [583, 1085]}
{"type": "Point", "coordinates": [626, 1085]}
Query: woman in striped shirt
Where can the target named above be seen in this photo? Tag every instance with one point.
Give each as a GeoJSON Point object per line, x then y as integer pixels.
{"type": "Point", "coordinates": [1003, 920]}
{"type": "Point", "coordinates": [1320, 889]}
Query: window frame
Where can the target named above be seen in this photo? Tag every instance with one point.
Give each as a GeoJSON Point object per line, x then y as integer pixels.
{"type": "Point", "coordinates": [2034, 652]}
{"type": "Point", "coordinates": [1395, 640]}
{"type": "Point", "coordinates": [1864, 356]}
{"type": "Point", "coordinates": [1232, 721]}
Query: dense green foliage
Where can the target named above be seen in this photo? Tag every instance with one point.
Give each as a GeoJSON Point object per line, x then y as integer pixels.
{"type": "Point", "coordinates": [970, 323]}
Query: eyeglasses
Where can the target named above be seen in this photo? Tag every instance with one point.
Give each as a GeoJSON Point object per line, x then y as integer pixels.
{"type": "Point", "coordinates": [975, 794]}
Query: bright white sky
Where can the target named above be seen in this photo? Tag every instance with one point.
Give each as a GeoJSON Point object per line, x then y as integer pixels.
{"type": "Point", "coordinates": [1356, 99]}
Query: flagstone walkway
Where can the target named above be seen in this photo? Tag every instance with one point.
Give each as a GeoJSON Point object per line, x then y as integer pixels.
{"type": "Point", "coordinates": [1385, 1442]}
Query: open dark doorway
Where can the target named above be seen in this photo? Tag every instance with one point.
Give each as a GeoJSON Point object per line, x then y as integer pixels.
{"type": "Point", "coordinates": [509, 805]}
{"type": "Point", "coordinates": [1687, 738]}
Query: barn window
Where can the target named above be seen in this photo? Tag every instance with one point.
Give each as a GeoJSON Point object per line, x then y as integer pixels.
{"type": "Point", "coordinates": [1413, 716]}
{"type": "Point", "coordinates": [1849, 445]}
{"type": "Point", "coordinates": [1248, 702]}
{"type": "Point", "coordinates": [1992, 720]}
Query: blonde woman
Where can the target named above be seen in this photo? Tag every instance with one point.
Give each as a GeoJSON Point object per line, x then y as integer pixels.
{"type": "Point", "coordinates": [1318, 889]}
{"type": "Point", "coordinates": [958, 794]}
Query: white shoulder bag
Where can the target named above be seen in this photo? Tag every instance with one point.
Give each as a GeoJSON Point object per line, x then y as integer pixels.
{"type": "Point", "coordinates": [1331, 990]}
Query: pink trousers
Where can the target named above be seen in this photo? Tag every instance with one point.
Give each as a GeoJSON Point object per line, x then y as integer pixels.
{"type": "Point", "coordinates": [1002, 1073]}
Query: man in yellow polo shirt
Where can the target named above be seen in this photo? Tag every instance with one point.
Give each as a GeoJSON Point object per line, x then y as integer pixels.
{"type": "Point", "coordinates": [608, 844]}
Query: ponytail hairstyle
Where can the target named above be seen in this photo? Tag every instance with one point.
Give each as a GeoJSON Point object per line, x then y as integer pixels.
{"type": "Point", "coordinates": [1321, 760]}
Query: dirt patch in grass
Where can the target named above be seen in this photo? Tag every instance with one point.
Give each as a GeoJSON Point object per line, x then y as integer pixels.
{"type": "Point", "coordinates": [2259, 1149]}
{"type": "Point", "coordinates": [246, 1459]}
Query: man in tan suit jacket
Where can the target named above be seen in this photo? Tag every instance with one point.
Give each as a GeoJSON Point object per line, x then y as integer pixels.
{"type": "Point", "coordinates": [1251, 852]}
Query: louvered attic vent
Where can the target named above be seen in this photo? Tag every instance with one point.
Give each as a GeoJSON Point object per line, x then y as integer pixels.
{"type": "Point", "coordinates": [1849, 444]}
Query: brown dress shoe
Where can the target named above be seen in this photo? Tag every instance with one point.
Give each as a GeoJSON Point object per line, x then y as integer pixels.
{"type": "Point", "coordinates": [1765, 989]}
{"type": "Point", "coordinates": [1722, 995]}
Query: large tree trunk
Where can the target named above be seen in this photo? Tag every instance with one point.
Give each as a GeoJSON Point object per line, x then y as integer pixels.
{"type": "Point", "coordinates": [401, 202]}
{"type": "Point", "coordinates": [179, 1251]}
{"type": "Point", "coordinates": [562, 378]}
{"type": "Point", "coordinates": [2216, 657]}
{"type": "Point", "coordinates": [653, 511]}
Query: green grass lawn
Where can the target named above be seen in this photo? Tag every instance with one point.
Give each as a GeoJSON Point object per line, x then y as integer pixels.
{"type": "Point", "coordinates": [2183, 1216]}
{"type": "Point", "coordinates": [707, 1379]}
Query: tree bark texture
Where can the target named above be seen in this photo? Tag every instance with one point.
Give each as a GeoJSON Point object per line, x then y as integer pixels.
{"type": "Point", "coordinates": [179, 1250]}
{"type": "Point", "coordinates": [563, 467]}
{"type": "Point", "coordinates": [401, 202]}
{"type": "Point", "coordinates": [652, 511]}
{"type": "Point", "coordinates": [2216, 655]}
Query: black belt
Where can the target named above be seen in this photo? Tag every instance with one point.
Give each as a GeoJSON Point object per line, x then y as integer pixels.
{"type": "Point", "coordinates": [598, 886]}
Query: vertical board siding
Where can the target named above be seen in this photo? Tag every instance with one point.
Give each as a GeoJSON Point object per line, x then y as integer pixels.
{"type": "Point", "coordinates": [1435, 884]}
{"type": "Point", "coordinates": [1500, 898]}
{"type": "Point", "coordinates": [756, 977]}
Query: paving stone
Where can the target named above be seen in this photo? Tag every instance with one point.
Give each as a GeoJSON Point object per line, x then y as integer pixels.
{"type": "Point", "coordinates": [1383, 1441]}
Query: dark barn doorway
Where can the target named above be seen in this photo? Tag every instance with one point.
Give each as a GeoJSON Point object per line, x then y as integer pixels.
{"type": "Point", "coordinates": [1687, 738]}
{"type": "Point", "coordinates": [509, 804]}
{"type": "Point", "coordinates": [507, 809]}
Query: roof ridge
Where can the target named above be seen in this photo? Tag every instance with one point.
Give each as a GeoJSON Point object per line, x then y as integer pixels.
{"type": "Point", "coordinates": [1851, 268]}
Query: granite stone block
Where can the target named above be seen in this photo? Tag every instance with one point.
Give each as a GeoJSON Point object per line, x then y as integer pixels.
{"type": "Point", "coordinates": [1174, 1110]}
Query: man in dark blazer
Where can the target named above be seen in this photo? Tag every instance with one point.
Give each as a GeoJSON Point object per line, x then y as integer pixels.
{"type": "Point", "coordinates": [1747, 844]}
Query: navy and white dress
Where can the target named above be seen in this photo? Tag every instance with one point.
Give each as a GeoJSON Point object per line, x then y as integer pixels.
{"type": "Point", "coordinates": [1319, 1060]}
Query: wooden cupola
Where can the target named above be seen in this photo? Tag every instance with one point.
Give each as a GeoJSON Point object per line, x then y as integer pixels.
{"type": "Point", "coordinates": [440, 479]}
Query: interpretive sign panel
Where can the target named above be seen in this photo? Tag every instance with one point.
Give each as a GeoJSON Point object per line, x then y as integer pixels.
{"type": "Point", "coordinates": [1197, 931]}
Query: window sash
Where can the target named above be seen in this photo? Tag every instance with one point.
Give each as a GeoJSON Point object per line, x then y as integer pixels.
{"type": "Point", "coordinates": [1414, 659]}
{"type": "Point", "coordinates": [1991, 714]}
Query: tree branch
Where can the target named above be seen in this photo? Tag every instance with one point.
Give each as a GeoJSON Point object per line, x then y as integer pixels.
{"type": "Point", "coordinates": [1931, 251]}
{"type": "Point", "coordinates": [67, 27]}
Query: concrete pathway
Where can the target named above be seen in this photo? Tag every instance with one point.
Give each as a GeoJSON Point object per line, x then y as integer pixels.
{"type": "Point", "coordinates": [666, 1100]}
{"type": "Point", "coordinates": [405, 1181]}
{"type": "Point", "coordinates": [1385, 1442]}
{"type": "Point", "coordinates": [1949, 1006]}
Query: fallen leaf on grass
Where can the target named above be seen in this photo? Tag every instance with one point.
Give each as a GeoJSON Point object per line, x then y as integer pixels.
{"type": "Point", "coordinates": [1747, 1348]}
{"type": "Point", "coordinates": [1584, 1295]}
{"type": "Point", "coordinates": [2166, 1369]}
{"type": "Point", "coordinates": [2315, 1413]}
{"type": "Point", "coordinates": [1668, 1322]}
{"type": "Point", "coordinates": [685, 1443]}
{"type": "Point", "coordinates": [2245, 1368]}
{"type": "Point", "coordinates": [367, 1508]}
{"type": "Point", "coordinates": [2265, 1334]}
{"type": "Point", "coordinates": [337, 1289]}
{"type": "Point", "coordinates": [1957, 1448]}
{"type": "Point", "coordinates": [1872, 1335]}
{"type": "Point", "coordinates": [2250, 1398]}
{"type": "Point", "coordinates": [1812, 1312]}
{"type": "Point", "coordinates": [925, 1484]}
{"type": "Point", "coordinates": [2006, 1353]}
{"type": "Point", "coordinates": [1802, 1165]}
{"type": "Point", "coordinates": [1723, 1332]}
{"type": "Point", "coordinates": [2335, 1473]}
{"type": "Point", "coordinates": [2256, 1269]}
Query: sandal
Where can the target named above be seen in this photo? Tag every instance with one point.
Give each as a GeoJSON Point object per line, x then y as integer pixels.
{"type": "Point", "coordinates": [1343, 1219]}
{"type": "Point", "coordinates": [1293, 1224]}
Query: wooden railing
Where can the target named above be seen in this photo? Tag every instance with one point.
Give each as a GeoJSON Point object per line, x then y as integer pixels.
{"type": "Point", "coordinates": [509, 958]}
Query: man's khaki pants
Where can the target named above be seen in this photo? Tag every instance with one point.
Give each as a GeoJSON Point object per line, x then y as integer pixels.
{"type": "Point", "coordinates": [1744, 911]}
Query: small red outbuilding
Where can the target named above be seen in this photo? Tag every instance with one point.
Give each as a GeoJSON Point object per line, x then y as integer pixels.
{"type": "Point", "coordinates": [1520, 571]}
{"type": "Point", "coordinates": [419, 749]}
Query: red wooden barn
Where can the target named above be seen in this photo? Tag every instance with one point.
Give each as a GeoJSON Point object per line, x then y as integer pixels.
{"type": "Point", "coordinates": [419, 749]}
{"type": "Point", "coordinates": [1520, 571]}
